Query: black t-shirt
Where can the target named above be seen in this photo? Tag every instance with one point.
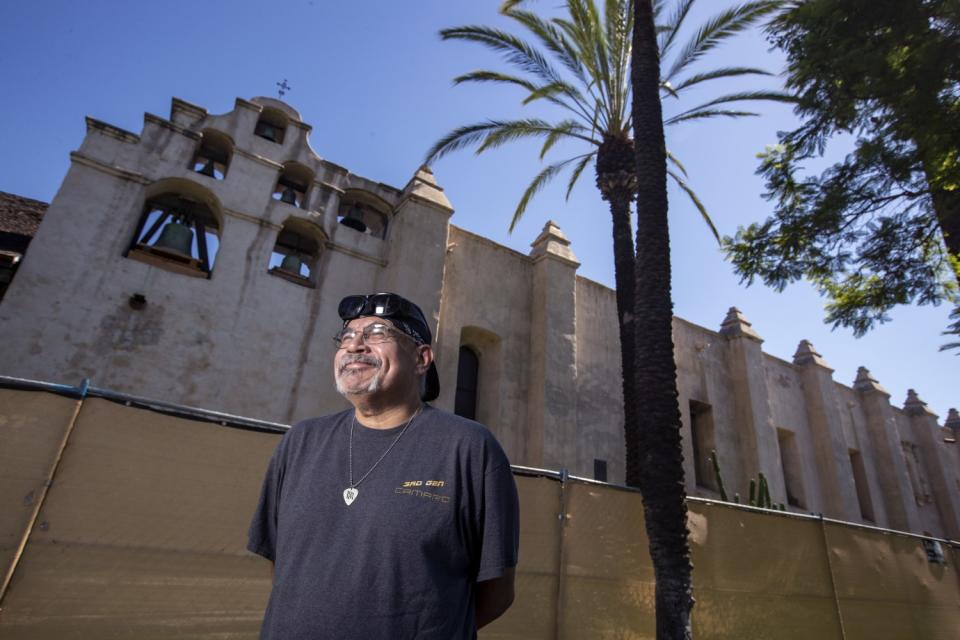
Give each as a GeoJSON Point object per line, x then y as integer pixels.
{"type": "Point", "coordinates": [439, 513]}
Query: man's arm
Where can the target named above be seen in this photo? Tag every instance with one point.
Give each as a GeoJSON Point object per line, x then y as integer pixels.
{"type": "Point", "coordinates": [493, 597]}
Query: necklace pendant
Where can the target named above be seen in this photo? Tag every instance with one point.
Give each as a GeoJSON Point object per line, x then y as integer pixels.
{"type": "Point", "coordinates": [350, 494]}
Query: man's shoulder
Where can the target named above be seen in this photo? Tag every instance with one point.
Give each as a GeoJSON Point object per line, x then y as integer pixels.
{"type": "Point", "coordinates": [456, 425]}
{"type": "Point", "coordinates": [310, 426]}
{"type": "Point", "coordinates": [463, 433]}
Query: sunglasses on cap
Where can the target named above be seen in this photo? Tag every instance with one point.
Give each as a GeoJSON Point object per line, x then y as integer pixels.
{"type": "Point", "coordinates": [382, 305]}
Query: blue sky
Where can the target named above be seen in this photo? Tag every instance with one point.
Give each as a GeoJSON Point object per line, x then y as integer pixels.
{"type": "Point", "coordinates": [374, 80]}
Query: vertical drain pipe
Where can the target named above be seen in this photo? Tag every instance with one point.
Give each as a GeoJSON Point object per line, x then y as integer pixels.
{"type": "Point", "coordinates": [81, 392]}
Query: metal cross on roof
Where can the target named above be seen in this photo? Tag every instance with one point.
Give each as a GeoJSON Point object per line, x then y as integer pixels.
{"type": "Point", "coordinates": [284, 87]}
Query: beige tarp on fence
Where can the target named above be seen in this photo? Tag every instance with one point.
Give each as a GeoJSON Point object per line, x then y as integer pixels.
{"type": "Point", "coordinates": [142, 535]}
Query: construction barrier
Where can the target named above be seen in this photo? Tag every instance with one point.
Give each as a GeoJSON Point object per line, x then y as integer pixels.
{"type": "Point", "coordinates": [128, 519]}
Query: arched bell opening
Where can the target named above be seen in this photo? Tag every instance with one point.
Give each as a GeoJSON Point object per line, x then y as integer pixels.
{"type": "Point", "coordinates": [296, 254]}
{"type": "Point", "coordinates": [364, 213]}
{"type": "Point", "coordinates": [271, 125]}
{"type": "Point", "coordinates": [293, 184]}
{"type": "Point", "coordinates": [178, 233]}
{"type": "Point", "coordinates": [212, 158]}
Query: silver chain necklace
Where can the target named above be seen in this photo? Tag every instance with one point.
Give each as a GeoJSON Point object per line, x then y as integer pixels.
{"type": "Point", "coordinates": [351, 492]}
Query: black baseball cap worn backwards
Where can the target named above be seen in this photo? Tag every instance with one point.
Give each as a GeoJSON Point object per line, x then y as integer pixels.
{"type": "Point", "coordinates": [404, 315]}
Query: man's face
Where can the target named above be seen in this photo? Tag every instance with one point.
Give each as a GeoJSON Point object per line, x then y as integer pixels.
{"type": "Point", "coordinates": [387, 368]}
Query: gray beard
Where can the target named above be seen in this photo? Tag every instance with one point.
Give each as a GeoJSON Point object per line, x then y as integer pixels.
{"type": "Point", "coordinates": [371, 387]}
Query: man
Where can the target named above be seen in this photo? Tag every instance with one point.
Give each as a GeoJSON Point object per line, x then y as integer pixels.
{"type": "Point", "coordinates": [392, 519]}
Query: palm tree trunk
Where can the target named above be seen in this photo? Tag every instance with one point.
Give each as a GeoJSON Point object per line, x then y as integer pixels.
{"type": "Point", "coordinates": [659, 469]}
{"type": "Point", "coordinates": [623, 268]}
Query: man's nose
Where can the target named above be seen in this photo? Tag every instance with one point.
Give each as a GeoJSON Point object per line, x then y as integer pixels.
{"type": "Point", "coordinates": [356, 344]}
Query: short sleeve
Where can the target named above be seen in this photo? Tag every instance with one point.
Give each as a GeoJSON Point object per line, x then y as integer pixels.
{"type": "Point", "coordinates": [262, 536]}
{"type": "Point", "coordinates": [500, 523]}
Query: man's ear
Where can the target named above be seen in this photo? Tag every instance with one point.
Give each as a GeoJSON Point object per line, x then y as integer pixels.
{"type": "Point", "coordinates": [424, 358]}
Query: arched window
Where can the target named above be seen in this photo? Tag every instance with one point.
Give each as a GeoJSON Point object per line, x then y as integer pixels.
{"type": "Point", "coordinates": [272, 125]}
{"type": "Point", "coordinates": [363, 216]}
{"type": "Point", "coordinates": [293, 184]}
{"type": "Point", "coordinates": [296, 253]}
{"type": "Point", "coordinates": [213, 155]}
{"type": "Point", "coordinates": [468, 378]}
{"type": "Point", "coordinates": [177, 233]}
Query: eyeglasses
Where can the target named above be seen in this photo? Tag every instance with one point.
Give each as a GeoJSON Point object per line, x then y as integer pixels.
{"type": "Point", "coordinates": [376, 333]}
{"type": "Point", "coordinates": [382, 305]}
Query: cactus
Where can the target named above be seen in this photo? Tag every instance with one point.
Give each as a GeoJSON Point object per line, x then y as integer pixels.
{"type": "Point", "coordinates": [759, 488]}
{"type": "Point", "coordinates": [716, 475]}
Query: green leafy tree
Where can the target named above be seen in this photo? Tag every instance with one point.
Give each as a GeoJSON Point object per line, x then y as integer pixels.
{"type": "Point", "coordinates": [579, 63]}
{"type": "Point", "coordinates": [882, 227]}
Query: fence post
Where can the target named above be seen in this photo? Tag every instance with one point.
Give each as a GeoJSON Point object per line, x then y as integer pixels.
{"type": "Point", "coordinates": [562, 524]}
{"type": "Point", "coordinates": [833, 582]}
{"type": "Point", "coordinates": [81, 393]}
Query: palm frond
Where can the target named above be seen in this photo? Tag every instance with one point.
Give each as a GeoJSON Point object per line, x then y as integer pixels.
{"type": "Point", "coordinates": [552, 90]}
{"type": "Point", "coordinates": [516, 51]}
{"type": "Point", "coordinates": [707, 113]}
{"type": "Point", "coordinates": [508, 5]}
{"type": "Point", "coordinates": [676, 162]}
{"type": "Point", "coordinates": [577, 171]}
{"type": "Point", "coordinates": [553, 39]}
{"type": "Point", "coordinates": [518, 129]}
{"type": "Point", "coordinates": [719, 28]}
{"type": "Point", "coordinates": [696, 202]}
{"type": "Point", "coordinates": [477, 134]}
{"type": "Point", "coordinates": [538, 183]}
{"type": "Point", "coordinates": [725, 72]}
{"type": "Point", "coordinates": [495, 77]}
{"type": "Point", "coordinates": [672, 27]}
{"type": "Point", "coordinates": [666, 86]}
{"type": "Point", "coordinates": [744, 96]}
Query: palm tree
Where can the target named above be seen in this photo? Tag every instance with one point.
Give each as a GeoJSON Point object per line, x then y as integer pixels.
{"type": "Point", "coordinates": [581, 64]}
{"type": "Point", "coordinates": [658, 459]}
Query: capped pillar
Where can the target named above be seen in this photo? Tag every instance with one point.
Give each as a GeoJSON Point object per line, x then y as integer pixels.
{"type": "Point", "coordinates": [416, 244]}
{"type": "Point", "coordinates": [551, 409]}
{"type": "Point", "coordinates": [423, 186]}
{"type": "Point", "coordinates": [838, 491]}
{"type": "Point", "coordinates": [753, 423]}
{"type": "Point", "coordinates": [901, 506]}
{"type": "Point", "coordinates": [953, 422]}
{"type": "Point", "coordinates": [938, 462]}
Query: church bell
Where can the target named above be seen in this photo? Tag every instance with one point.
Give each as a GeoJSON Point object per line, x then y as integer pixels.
{"type": "Point", "coordinates": [208, 169]}
{"type": "Point", "coordinates": [176, 236]}
{"type": "Point", "coordinates": [354, 223]}
{"type": "Point", "coordinates": [289, 196]}
{"type": "Point", "coordinates": [292, 263]}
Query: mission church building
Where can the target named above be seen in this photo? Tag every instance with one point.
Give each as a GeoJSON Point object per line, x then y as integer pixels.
{"type": "Point", "coordinates": [201, 262]}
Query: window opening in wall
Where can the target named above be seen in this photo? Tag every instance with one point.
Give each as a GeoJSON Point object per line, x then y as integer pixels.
{"type": "Point", "coordinates": [600, 470]}
{"type": "Point", "coordinates": [294, 256]}
{"type": "Point", "coordinates": [790, 463]}
{"type": "Point", "coordinates": [702, 438]}
{"type": "Point", "coordinates": [921, 488]}
{"type": "Point", "coordinates": [178, 234]}
{"type": "Point", "coordinates": [213, 155]}
{"type": "Point", "coordinates": [272, 126]}
{"type": "Point", "coordinates": [863, 489]}
{"type": "Point", "coordinates": [362, 217]}
{"type": "Point", "coordinates": [292, 185]}
{"type": "Point", "coordinates": [468, 370]}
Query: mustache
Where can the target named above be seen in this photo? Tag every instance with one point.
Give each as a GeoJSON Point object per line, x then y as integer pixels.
{"type": "Point", "coordinates": [363, 358]}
